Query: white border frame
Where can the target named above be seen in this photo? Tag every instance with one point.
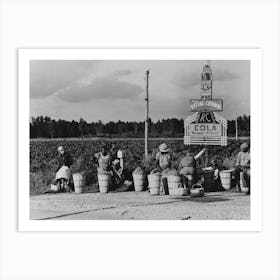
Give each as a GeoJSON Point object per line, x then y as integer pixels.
{"type": "Point", "coordinates": [24, 57]}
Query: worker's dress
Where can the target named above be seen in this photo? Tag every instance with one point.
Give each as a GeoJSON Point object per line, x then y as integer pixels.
{"type": "Point", "coordinates": [63, 173]}
{"type": "Point", "coordinates": [64, 162]}
{"type": "Point", "coordinates": [104, 162]}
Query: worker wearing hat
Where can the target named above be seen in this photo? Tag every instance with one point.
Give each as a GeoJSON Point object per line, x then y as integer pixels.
{"type": "Point", "coordinates": [164, 160]}
{"type": "Point", "coordinates": [242, 166]}
{"type": "Point", "coordinates": [63, 170]}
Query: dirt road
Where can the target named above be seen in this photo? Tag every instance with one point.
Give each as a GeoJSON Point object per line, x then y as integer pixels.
{"type": "Point", "coordinates": [139, 206]}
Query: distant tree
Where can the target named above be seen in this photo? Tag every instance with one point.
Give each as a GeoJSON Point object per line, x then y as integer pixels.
{"type": "Point", "coordinates": [48, 128]}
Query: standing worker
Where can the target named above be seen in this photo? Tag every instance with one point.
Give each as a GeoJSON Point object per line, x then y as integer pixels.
{"type": "Point", "coordinates": [63, 171]}
{"type": "Point", "coordinates": [188, 168]}
{"type": "Point", "coordinates": [242, 167]}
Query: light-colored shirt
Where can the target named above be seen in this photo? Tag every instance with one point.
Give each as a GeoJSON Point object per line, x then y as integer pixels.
{"type": "Point", "coordinates": [103, 161]}
{"type": "Point", "coordinates": [164, 160]}
{"type": "Point", "coordinates": [243, 158]}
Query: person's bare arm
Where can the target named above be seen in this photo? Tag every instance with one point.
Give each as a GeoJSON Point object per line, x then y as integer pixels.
{"type": "Point", "coordinates": [197, 156]}
{"type": "Point", "coordinates": [180, 164]}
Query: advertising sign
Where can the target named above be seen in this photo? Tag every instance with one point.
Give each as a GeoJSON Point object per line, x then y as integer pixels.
{"type": "Point", "coordinates": [207, 105]}
{"type": "Point", "coordinates": [205, 130]}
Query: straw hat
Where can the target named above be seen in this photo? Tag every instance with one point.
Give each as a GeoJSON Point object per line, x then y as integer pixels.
{"type": "Point", "coordinates": [244, 146]}
{"type": "Point", "coordinates": [163, 148]}
{"type": "Point", "coordinates": [60, 148]}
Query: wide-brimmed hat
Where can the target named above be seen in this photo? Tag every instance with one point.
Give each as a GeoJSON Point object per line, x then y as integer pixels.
{"type": "Point", "coordinates": [163, 148]}
{"type": "Point", "coordinates": [244, 146]}
{"type": "Point", "coordinates": [60, 148]}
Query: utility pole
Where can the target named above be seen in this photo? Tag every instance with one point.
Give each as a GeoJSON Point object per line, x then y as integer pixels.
{"type": "Point", "coordinates": [236, 125]}
{"type": "Point", "coordinates": [147, 115]}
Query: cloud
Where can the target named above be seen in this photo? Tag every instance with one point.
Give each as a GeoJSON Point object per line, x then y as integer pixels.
{"type": "Point", "coordinates": [224, 75]}
{"type": "Point", "coordinates": [49, 76]}
{"type": "Point", "coordinates": [100, 88]}
{"type": "Point", "coordinates": [186, 80]}
{"type": "Point", "coordinates": [123, 72]}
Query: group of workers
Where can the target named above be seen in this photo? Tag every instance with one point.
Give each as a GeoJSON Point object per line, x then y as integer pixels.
{"type": "Point", "coordinates": [109, 162]}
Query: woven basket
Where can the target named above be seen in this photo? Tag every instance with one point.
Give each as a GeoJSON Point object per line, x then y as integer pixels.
{"type": "Point", "coordinates": [197, 190]}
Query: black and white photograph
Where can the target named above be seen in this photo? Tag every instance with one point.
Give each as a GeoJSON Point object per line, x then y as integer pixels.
{"type": "Point", "coordinates": [140, 139]}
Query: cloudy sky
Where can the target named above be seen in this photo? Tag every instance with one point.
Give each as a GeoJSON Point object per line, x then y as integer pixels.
{"type": "Point", "coordinates": [115, 90]}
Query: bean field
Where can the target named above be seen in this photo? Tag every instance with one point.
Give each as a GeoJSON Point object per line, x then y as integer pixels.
{"type": "Point", "coordinates": [43, 154]}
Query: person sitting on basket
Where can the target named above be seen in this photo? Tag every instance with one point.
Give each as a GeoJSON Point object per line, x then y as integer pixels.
{"type": "Point", "coordinates": [188, 168]}
{"type": "Point", "coordinates": [242, 167]}
{"type": "Point", "coordinates": [163, 160]}
{"type": "Point", "coordinates": [63, 171]}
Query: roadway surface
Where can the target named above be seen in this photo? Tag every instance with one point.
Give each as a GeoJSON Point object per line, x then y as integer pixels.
{"type": "Point", "coordinates": [139, 206]}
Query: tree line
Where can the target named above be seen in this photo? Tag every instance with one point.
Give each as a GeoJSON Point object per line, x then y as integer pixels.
{"type": "Point", "coordinates": [45, 127]}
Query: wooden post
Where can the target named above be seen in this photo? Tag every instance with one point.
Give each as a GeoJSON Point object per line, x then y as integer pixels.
{"type": "Point", "coordinates": [236, 125]}
{"type": "Point", "coordinates": [147, 115]}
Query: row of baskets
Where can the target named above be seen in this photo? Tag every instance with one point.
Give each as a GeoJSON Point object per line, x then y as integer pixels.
{"type": "Point", "coordinates": [175, 185]}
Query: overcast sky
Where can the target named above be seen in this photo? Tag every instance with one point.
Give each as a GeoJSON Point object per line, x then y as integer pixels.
{"type": "Point", "coordinates": [115, 90]}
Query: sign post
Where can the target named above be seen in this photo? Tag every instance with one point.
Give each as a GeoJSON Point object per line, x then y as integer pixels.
{"type": "Point", "coordinates": [205, 126]}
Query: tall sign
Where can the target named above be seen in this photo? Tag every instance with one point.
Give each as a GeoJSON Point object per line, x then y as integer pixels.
{"type": "Point", "coordinates": [205, 126]}
{"type": "Point", "coordinates": [206, 81]}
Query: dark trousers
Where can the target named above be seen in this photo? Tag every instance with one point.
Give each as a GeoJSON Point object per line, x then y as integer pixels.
{"type": "Point", "coordinates": [237, 171]}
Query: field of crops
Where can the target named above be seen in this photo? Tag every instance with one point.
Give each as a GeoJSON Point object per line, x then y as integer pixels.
{"type": "Point", "coordinates": [43, 157]}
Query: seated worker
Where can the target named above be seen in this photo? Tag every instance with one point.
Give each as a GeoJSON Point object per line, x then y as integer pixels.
{"type": "Point", "coordinates": [104, 160]}
{"type": "Point", "coordinates": [105, 164]}
{"type": "Point", "coordinates": [164, 160]}
{"type": "Point", "coordinates": [243, 165]}
{"type": "Point", "coordinates": [216, 179]}
{"type": "Point", "coordinates": [117, 172]}
{"type": "Point", "coordinates": [188, 169]}
{"type": "Point", "coordinates": [63, 171]}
